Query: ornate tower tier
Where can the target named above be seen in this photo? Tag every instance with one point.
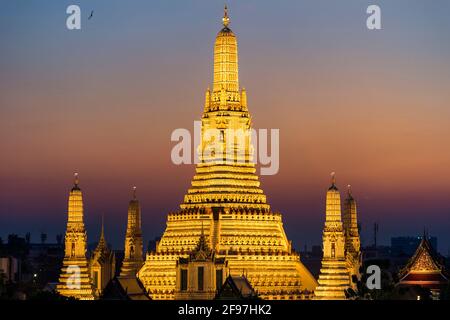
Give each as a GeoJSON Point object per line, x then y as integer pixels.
{"type": "Point", "coordinates": [74, 280]}
{"type": "Point", "coordinates": [226, 60]}
{"type": "Point", "coordinates": [132, 260]}
{"type": "Point", "coordinates": [226, 199]}
{"type": "Point", "coordinates": [334, 275]}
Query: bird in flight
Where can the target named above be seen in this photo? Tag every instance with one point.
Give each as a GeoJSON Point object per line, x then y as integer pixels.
{"type": "Point", "coordinates": [92, 13]}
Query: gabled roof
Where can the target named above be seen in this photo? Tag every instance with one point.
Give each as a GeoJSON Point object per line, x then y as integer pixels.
{"type": "Point", "coordinates": [125, 288]}
{"type": "Point", "coordinates": [236, 287]}
{"type": "Point", "coordinates": [425, 259]}
{"type": "Point", "coordinates": [102, 253]}
{"type": "Point", "coordinates": [424, 268]}
{"type": "Point", "coordinates": [202, 251]}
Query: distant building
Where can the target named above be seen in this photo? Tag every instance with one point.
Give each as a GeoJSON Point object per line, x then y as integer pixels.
{"type": "Point", "coordinates": [313, 260]}
{"type": "Point", "coordinates": [378, 252]}
{"type": "Point", "coordinates": [45, 261]}
{"type": "Point", "coordinates": [38, 249]}
{"type": "Point", "coordinates": [408, 245]}
{"type": "Point", "coordinates": [316, 251]}
{"type": "Point", "coordinates": [152, 244]}
{"type": "Point", "coordinates": [10, 269]}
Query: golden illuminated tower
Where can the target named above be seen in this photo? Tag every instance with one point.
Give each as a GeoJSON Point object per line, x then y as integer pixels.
{"type": "Point", "coordinates": [102, 264]}
{"type": "Point", "coordinates": [133, 260]}
{"type": "Point", "coordinates": [226, 198]}
{"type": "Point", "coordinates": [74, 280]}
{"type": "Point", "coordinates": [352, 240]}
{"type": "Point", "coordinates": [334, 275]}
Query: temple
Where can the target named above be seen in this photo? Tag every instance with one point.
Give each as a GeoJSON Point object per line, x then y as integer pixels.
{"type": "Point", "coordinates": [225, 206]}
{"type": "Point", "coordinates": [126, 286]}
{"type": "Point", "coordinates": [424, 269]}
{"type": "Point", "coordinates": [341, 259]}
{"type": "Point", "coordinates": [201, 275]}
{"type": "Point", "coordinates": [102, 264]}
{"type": "Point", "coordinates": [74, 280]}
{"type": "Point", "coordinates": [133, 260]}
{"type": "Point", "coordinates": [352, 241]}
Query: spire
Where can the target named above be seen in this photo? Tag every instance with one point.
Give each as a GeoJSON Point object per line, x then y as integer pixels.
{"type": "Point", "coordinates": [350, 222]}
{"type": "Point", "coordinates": [102, 242]}
{"type": "Point", "coordinates": [75, 205]}
{"type": "Point", "coordinates": [202, 239]}
{"type": "Point", "coordinates": [333, 201]}
{"type": "Point", "coordinates": [134, 213]}
{"type": "Point", "coordinates": [334, 276]}
{"type": "Point", "coordinates": [226, 60]}
{"type": "Point", "coordinates": [202, 245]}
{"type": "Point", "coordinates": [76, 181]}
{"type": "Point", "coordinates": [133, 239]}
{"type": "Point", "coordinates": [202, 250]}
{"type": "Point", "coordinates": [75, 249]}
{"type": "Point", "coordinates": [102, 234]}
{"type": "Point", "coordinates": [333, 181]}
{"type": "Point", "coordinates": [225, 19]}
{"type": "Point", "coordinates": [349, 192]}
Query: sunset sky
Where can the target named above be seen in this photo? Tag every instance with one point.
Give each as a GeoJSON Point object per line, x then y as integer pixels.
{"type": "Point", "coordinates": [374, 106]}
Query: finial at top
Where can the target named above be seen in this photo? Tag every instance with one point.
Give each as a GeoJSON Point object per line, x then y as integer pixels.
{"type": "Point", "coordinates": [76, 180]}
{"type": "Point", "coordinates": [425, 233]}
{"type": "Point", "coordinates": [349, 189]}
{"type": "Point", "coordinates": [102, 235]}
{"type": "Point", "coordinates": [225, 19]}
{"type": "Point", "coordinates": [333, 178]}
{"type": "Point", "coordinates": [134, 192]}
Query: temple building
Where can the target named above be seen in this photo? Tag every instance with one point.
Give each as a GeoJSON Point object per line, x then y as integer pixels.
{"type": "Point", "coordinates": [201, 275]}
{"type": "Point", "coordinates": [340, 255]}
{"type": "Point", "coordinates": [126, 286]}
{"type": "Point", "coordinates": [74, 280]}
{"type": "Point", "coordinates": [226, 201]}
{"type": "Point", "coordinates": [133, 260]}
{"type": "Point", "coordinates": [352, 241]}
{"type": "Point", "coordinates": [102, 265]}
{"type": "Point", "coordinates": [425, 269]}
